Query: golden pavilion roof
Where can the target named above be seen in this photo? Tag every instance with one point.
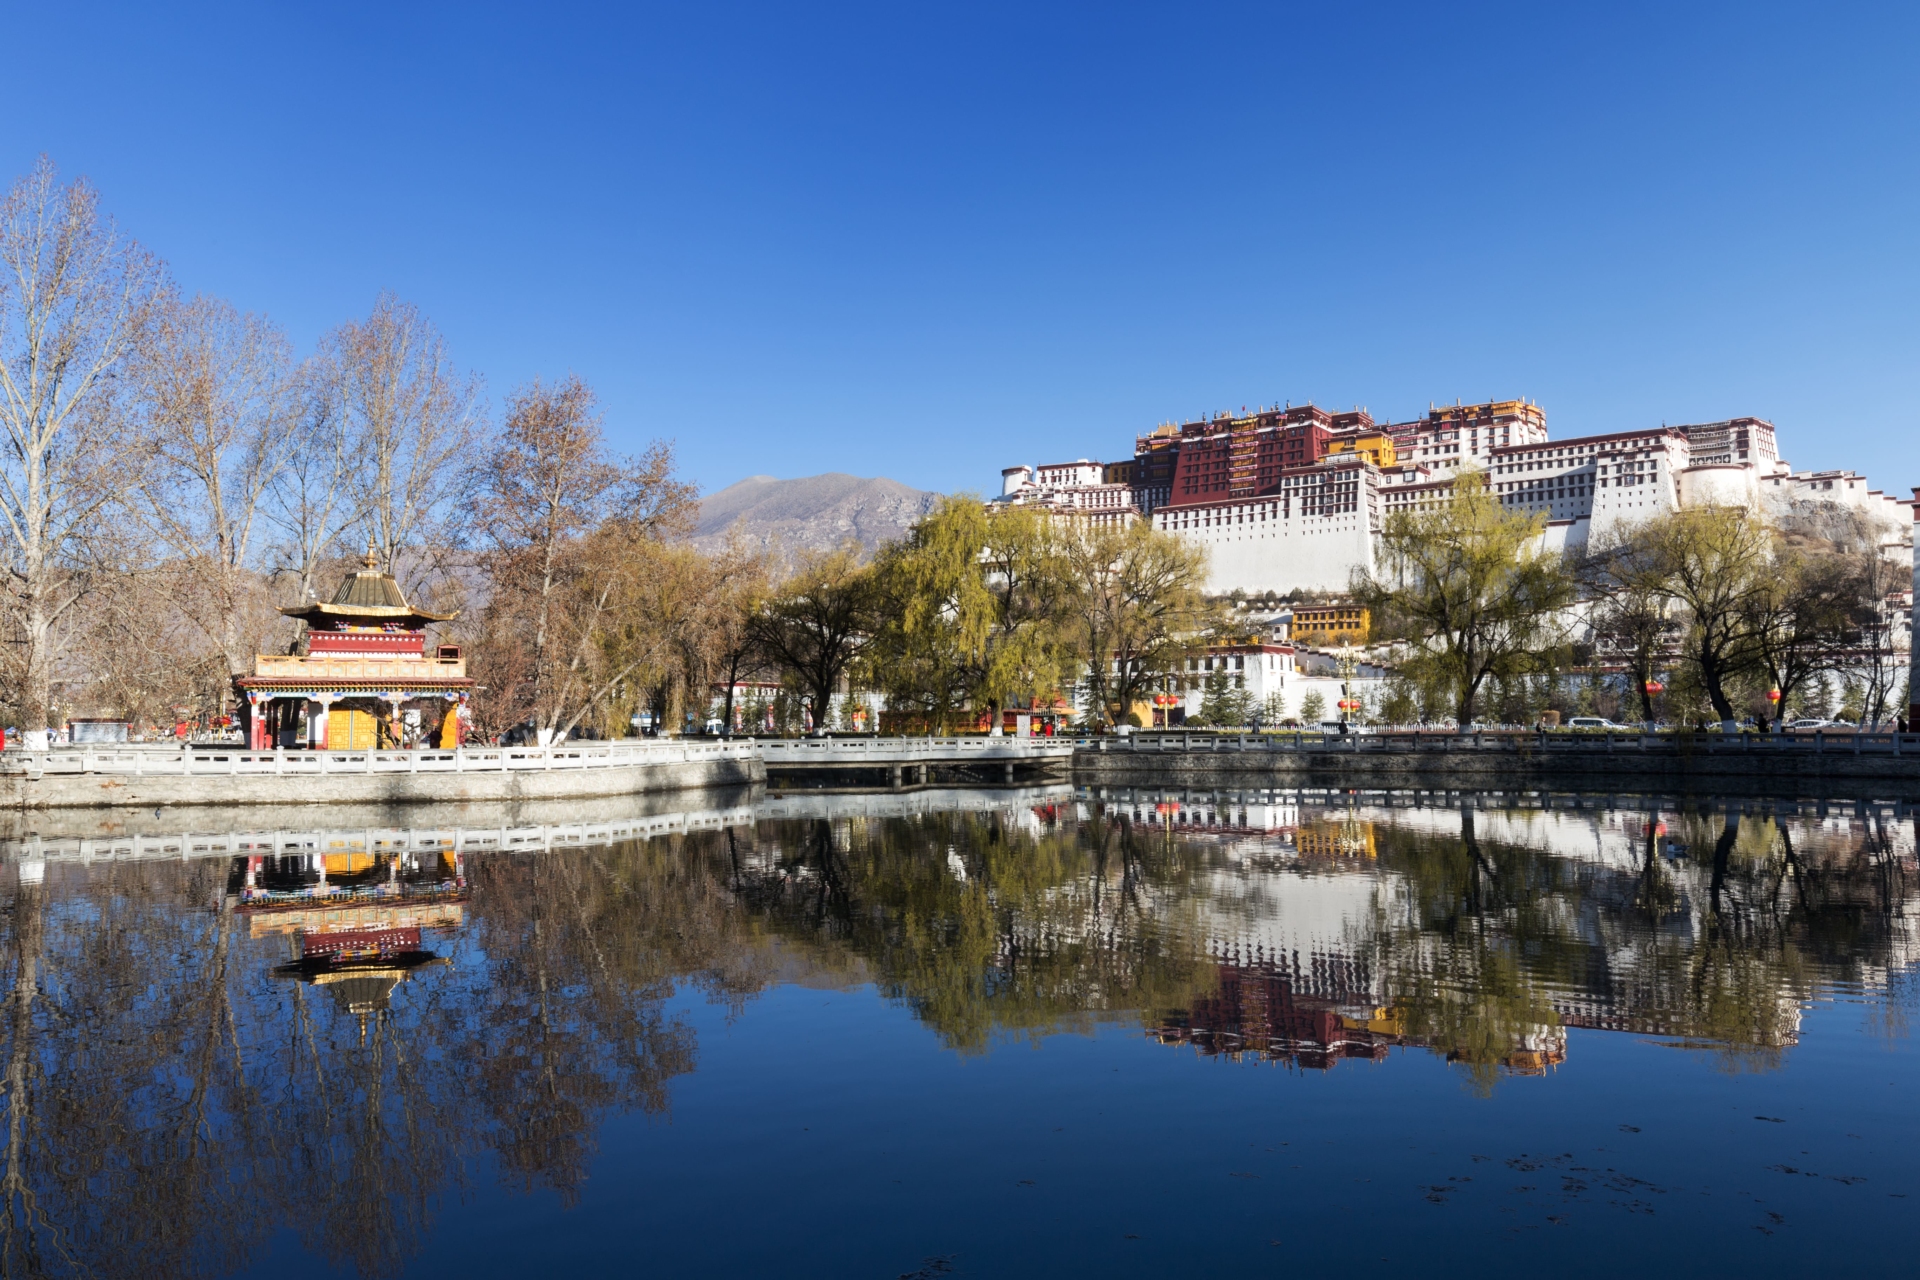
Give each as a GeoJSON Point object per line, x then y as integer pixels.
{"type": "Point", "coordinates": [369, 597]}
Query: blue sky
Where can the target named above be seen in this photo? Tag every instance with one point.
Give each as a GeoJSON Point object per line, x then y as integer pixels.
{"type": "Point", "coordinates": [931, 241]}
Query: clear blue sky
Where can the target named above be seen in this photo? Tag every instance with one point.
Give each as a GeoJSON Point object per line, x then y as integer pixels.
{"type": "Point", "coordinates": [928, 242]}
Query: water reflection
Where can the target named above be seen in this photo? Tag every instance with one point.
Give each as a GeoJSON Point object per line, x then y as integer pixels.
{"type": "Point", "coordinates": [212, 1036]}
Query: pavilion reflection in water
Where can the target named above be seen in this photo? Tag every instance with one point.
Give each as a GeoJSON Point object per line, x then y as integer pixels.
{"type": "Point", "coordinates": [355, 912]}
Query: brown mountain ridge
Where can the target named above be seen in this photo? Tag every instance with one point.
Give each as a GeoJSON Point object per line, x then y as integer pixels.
{"type": "Point", "coordinates": [813, 513]}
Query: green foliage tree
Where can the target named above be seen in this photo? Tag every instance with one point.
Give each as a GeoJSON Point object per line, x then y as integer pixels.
{"type": "Point", "coordinates": [1216, 701]}
{"type": "Point", "coordinates": [1313, 707]}
{"type": "Point", "coordinates": [1398, 704]}
{"type": "Point", "coordinates": [1853, 701]}
{"type": "Point", "coordinates": [1470, 589]}
{"type": "Point", "coordinates": [1239, 705]}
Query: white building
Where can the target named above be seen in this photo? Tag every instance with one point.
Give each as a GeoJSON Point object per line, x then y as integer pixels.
{"type": "Point", "coordinates": [1275, 677]}
{"type": "Point", "coordinates": [1069, 488]}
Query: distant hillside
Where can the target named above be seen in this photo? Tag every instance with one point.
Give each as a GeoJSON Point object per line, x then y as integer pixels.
{"type": "Point", "coordinates": [816, 513]}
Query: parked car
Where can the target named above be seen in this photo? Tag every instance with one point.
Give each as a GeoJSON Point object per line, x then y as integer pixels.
{"type": "Point", "coordinates": [1808, 726]}
{"type": "Point", "coordinates": [1600, 723]}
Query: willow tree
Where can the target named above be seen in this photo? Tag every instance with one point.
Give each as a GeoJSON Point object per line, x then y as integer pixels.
{"type": "Point", "coordinates": [1472, 590]}
{"type": "Point", "coordinates": [1801, 618]}
{"type": "Point", "coordinates": [818, 623]}
{"type": "Point", "coordinates": [1136, 607]}
{"type": "Point", "coordinates": [971, 611]}
{"type": "Point", "coordinates": [1712, 562]}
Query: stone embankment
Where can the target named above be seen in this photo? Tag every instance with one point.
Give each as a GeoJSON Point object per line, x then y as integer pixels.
{"type": "Point", "coordinates": [137, 776]}
{"type": "Point", "coordinates": [35, 838]}
{"type": "Point", "coordinates": [1868, 765]}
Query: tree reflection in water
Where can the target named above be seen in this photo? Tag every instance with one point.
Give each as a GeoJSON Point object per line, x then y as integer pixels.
{"type": "Point", "coordinates": [186, 1074]}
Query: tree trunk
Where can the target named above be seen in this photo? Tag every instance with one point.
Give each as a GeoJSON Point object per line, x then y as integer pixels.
{"type": "Point", "coordinates": [1710, 676]}
{"type": "Point", "coordinates": [18, 1202]}
{"type": "Point", "coordinates": [36, 700]}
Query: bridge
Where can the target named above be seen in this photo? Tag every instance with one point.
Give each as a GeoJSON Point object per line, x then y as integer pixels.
{"type": "Point", "coordinates": [898, 762]}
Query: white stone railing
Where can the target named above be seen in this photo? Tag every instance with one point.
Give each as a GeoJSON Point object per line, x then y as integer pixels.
{"type": "Point", "coordinates": [147, 761]}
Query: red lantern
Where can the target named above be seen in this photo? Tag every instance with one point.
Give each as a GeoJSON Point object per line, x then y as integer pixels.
{"type": "Point", "coordinates": [1654, 686]}
{"type": "Point", "coordinates": [1773, 695]}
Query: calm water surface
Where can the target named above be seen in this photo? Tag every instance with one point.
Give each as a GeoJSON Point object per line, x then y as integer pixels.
{"type": "Point", "coordinates": [988, 1034]}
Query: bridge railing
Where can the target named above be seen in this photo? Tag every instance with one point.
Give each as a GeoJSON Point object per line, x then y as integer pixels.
{"type": "Point", "coordinates": [801, 752]}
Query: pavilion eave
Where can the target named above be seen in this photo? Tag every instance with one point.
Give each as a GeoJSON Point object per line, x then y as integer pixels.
{"type": "Point", "coordinates": [289, 684]}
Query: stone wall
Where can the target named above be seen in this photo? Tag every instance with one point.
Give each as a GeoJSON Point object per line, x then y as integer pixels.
{"type": "Point", "coordinates": [1837, 774]}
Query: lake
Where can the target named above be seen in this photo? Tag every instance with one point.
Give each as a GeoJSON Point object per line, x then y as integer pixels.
{"type": "Point", "coordinates": [969, 1033]}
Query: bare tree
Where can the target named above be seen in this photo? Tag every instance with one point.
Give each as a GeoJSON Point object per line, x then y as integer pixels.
{"type": "Point", "coordinates": [74, 298]}
{"type": "Point", "coordinates": [546, 500]}
{"type": "Point", "coordinates": [1631, 615]}
{"type": "Point", "coordinates": [310, 504]}
{"type": "Point", "coordinates": [219, 396]}
{"type": "Point", "coordinates": [1881, 562]}
{"type": "Point", "coordinates": [411, 423]}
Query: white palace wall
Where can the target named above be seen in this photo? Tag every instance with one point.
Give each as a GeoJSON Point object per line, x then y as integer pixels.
{"type": "Point", "coordinates": [1585, 488]}
{"type": "Point", "coordinates": [1251, 546]}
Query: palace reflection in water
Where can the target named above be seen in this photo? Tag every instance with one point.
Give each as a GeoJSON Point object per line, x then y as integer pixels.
{"type": "Point", "coordinates": [211, 1038]}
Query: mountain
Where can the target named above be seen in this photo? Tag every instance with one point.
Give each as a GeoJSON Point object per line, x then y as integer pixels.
{"type": "Point", "coordinates": [816, 513]}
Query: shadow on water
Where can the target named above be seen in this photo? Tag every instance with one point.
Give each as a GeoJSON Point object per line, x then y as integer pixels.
{"type": "Point", "coordinates": [222, 1026]}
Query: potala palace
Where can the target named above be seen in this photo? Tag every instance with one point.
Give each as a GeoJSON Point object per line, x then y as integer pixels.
{"type": "Point", "coordinates": [1293, 498]}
